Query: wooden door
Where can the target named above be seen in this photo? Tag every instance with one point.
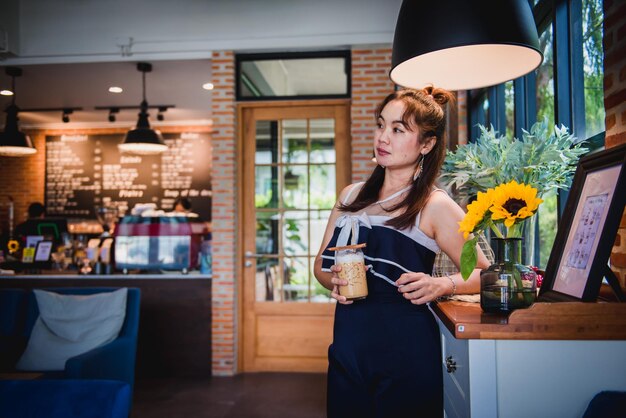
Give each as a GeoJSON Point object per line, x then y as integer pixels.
{"type": "Point", "coordinates": [295, 160]}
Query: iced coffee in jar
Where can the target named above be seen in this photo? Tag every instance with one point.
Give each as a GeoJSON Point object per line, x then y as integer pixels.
{"type": "Point", "coordinates": [352, 263]}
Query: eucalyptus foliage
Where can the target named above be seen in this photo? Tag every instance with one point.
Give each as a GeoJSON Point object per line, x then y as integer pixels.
{"type": "Point", "coordinates": [546, 160]}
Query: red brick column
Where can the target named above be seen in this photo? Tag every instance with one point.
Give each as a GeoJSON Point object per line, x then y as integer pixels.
{"type": "Point", "coordinates": [22, 178]}
{"type": "Point", "coordinates": [615, 105]}
{"type": "Point", "coordinates": [370, 85]}
{"type": "Point", "coordinates": [223, 314]}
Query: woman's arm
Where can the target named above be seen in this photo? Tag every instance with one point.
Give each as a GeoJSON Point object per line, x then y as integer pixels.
{"type": "Point", "coordinates": [440, 220]}
{"type": "Point", "coordinates": [323, 277]}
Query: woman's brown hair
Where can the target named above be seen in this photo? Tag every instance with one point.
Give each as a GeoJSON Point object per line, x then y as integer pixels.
{"type": "Point", "coordinates": [424, 109]}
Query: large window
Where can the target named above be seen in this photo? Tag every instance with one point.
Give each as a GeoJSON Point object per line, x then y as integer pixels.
{"type": "Point", "coordinates": [566, 89]}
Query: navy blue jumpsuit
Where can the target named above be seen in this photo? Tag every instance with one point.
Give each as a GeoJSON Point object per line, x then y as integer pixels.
{"type": "Point", "coordinates": [385, 358]}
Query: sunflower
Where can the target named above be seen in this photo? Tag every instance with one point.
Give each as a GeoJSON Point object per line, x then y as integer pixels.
{"type": "Point", "coordinates": [513, 201]}
{"type": "Point", "coordinates": [476, 213]}
{"type": "Point", "coordinates": [13, 246]}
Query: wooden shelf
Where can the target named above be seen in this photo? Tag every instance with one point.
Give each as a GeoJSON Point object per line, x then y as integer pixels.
{"type": "Point", "coordinates": [542, 321]}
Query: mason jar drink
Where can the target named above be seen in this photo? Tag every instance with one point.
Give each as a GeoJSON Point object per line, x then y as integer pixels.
{"type": "Point", "coordinates": [352, 263]}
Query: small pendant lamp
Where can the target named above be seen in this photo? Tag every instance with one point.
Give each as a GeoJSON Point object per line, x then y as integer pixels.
{"type": "Point", "coordinates": [463, 44]}
{"type": "Point", "coordinates": [143, 140]}
{"type": "Point", "coordinates": [14, 143]}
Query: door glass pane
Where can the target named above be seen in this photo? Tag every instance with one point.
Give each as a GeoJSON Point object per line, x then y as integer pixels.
{"type": "Point", "coordinates": [295, 193]}
{"type": "Point", "coordinates": [267, 232]}
{"type": "Point", "coordinates": [318, 292]}
{"type": "Point", "coordinates": [295, 188]}
{"type": "Point", "coordinates": [266, 187]}
{"type": "Point", "coordinates": [295, 233]}
{"type": "Point", "coordinates": [296, 280]}
{"type": "Point", "coordinates": [317, 221]}
{"type": "Point", "coordinates": [266, 142]}
{"type": "Point", "coordinates": [322, 133]}
{"type": "Point", "coordinates": [267, 276]}
{"type": "Point", "coordinates": [322, 190]}
{"type": "Point", "coordinates": [294, 141]}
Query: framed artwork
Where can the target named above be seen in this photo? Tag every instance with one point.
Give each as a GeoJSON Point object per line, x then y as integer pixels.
{"type": "Point", "coordinates": [579, 259]}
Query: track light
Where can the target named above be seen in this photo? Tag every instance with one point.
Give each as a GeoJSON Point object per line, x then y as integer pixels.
{"type": "Point", "coordinates": [14, 143]}
{"type": "Point", "coordinates": [143, 139]}
{"type": "Point", "coordinates": [66, 115]}
{"type": "Point", "coordinates": [160, 116]}
{"type": "Point", "coordinates": [112, 112]}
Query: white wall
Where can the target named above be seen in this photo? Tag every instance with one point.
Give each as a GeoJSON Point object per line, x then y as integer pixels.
{"type": "Point", "coordinates": [95, 30]}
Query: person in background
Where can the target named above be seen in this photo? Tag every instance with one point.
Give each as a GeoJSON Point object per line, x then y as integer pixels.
{"type": "Point", "coordinates": [36, 210]}
{"type": "Point", "coordinates": [385, 358]}
{"type": "Point", "coordinates": [182, 204]}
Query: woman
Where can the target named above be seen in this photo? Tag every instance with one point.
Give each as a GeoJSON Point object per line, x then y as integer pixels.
{"type": "Point", "coordinates": [385, 357]}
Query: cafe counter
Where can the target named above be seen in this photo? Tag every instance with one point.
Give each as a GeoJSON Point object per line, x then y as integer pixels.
{"type": "Point", "coordinates": [175, 316]}
{"type": "Point", "coordinates": [548, 360]}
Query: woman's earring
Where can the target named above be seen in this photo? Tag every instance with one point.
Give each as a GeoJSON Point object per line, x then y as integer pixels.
{"type": "Point", "coordinates": [418, 170]}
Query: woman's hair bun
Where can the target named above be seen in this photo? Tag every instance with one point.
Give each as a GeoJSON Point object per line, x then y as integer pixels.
{"type": "Point", "coordinates": [440, 96]}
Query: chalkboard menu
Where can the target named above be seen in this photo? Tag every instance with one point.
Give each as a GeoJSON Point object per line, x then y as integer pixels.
{"type": "Point", "coordinates": [87, 171]}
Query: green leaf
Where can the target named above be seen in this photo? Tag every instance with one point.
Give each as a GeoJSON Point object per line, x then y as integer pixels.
{"type": "Point", "coordinates": [469, 258]}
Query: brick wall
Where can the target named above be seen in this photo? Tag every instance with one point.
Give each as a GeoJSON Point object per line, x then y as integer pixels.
{"type": "Point", "coordinates": [370, 85]}
{"type": "Point", "coordinates": [223, 306]}
{"type": "Point", "coordinates": [615, 105]}
{"type": "Point", "coordinates": [21, 178]}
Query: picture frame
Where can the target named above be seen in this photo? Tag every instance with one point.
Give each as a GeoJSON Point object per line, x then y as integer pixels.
{"type": "Point", "coordinates": [43, 251]}
{"type": "Point", "coordinates": [579, 258]}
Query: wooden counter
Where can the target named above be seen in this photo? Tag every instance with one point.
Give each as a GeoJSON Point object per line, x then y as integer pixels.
{"type": "Point", "coordinates": [542, 321]}
{"type": "Point", "coordinates": [174, 321]}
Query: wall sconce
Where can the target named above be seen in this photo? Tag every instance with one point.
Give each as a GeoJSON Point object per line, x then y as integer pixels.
{"type": "Point", "coordinates": [462, 45]}
{"type": "Point", "coordinates": [14, 143]}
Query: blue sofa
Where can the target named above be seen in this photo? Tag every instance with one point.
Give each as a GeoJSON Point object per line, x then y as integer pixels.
{"type": "Point", "coordinates": [66, 398]}
{"type": "Point", "coordinates": [112, 361]}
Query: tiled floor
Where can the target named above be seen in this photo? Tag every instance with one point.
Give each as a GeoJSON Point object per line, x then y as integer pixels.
{"type": "Point", "coordinates": [252, 395]}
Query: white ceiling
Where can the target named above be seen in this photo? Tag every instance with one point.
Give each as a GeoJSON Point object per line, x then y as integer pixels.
{"type": "Point", "coordinates": [176, 83]}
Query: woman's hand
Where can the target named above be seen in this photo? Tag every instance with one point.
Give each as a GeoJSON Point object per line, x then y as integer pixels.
{"type": "Point", "coordinates": [336, 281]}
{"type": "Point", "coordinates": [422, 288]}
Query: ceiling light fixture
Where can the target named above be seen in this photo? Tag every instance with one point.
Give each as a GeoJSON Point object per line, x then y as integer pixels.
{"type": "Point", "coordinates": [14, 143]}
{"type": "Point", "coordinates": [115, 89]}
{"type": "Point", "coordinates": [112, 112]}
{"type": "Point", "coordinates": [6, 92]}
{"type": "Point", "coordinates": [489, 42]}
{"type": "Point", "coordinates": [143, 139]}
{"type": "Point", "coordinates": [160, 116]}
{"type": "Point", "coordinates": [208, 86]}
{"type": "Point", "coordinates": [66, 115]}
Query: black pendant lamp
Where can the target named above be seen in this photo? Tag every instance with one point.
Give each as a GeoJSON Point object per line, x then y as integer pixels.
{"type": "Point", "coordinates": [14, 143]}
{"type": "Point", "coordinates": [143, 140]}
{"type": "Point", "coordinates": [463, 44]}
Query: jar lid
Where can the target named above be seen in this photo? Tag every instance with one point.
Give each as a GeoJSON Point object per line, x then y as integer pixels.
{"type": "Point", "coordinates": [347, 247]}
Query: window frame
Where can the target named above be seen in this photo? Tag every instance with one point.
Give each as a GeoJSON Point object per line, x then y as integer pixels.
{"type": "Point", "coordinates": [345, 54]}
{"type": "Point", "coordinates": [568, 76]}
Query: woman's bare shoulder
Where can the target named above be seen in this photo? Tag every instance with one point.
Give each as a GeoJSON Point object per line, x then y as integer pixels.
{"type": "Point", "coordinates": [349, 193]}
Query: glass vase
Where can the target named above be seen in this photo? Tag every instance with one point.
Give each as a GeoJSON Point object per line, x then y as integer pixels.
{"type": "Point", "coordinates": [507, 284]}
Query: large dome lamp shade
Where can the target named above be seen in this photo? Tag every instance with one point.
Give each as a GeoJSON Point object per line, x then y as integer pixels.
{"type": "Point", "coordinates": [462, 45]}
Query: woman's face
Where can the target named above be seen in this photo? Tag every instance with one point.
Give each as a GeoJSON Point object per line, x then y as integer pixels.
{"type": "Point", "coordinates": [395, 143]}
